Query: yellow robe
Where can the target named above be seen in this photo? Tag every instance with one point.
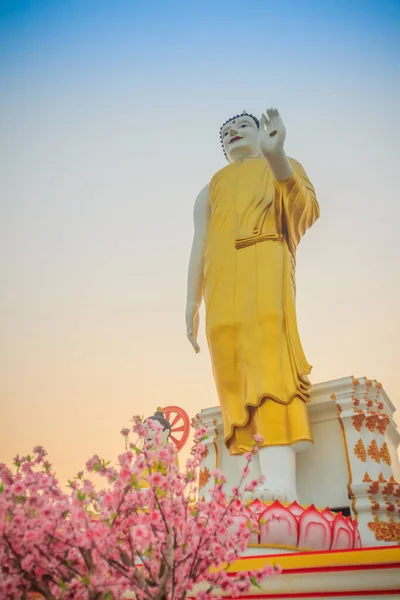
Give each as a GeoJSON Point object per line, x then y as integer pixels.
{"type": "Point", "coordinates": [258, 362]}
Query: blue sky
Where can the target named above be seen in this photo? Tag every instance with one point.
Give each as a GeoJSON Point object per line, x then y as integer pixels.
{"type": "Point", "coordinates": [126, 34]}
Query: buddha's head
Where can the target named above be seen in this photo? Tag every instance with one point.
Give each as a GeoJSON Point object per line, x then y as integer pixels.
{"type": "Point", "coordinates": [159, 433]}
{"type": "Point", "coordinates": [239, 137]}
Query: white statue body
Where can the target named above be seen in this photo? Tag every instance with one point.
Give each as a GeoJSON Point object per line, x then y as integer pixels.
{"type": "Point", "coordinates": [242, 139]}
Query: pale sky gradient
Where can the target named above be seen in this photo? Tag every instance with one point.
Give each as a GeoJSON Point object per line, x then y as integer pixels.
{"type": "Point", "coordinates": [109, 128]}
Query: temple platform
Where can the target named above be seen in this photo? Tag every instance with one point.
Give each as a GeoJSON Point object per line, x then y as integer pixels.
{"type": "Point", "coordinates": [366, 574]}
{"type": "Point", "coordinates": [352, 468]}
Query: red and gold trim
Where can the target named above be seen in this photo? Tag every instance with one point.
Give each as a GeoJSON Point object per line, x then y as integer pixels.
{"type": "Point", "coordinates": [301, 561]}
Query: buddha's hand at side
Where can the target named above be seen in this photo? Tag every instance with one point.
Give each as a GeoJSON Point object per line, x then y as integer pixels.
{"type": "Point", "coordinates": [192, 325]}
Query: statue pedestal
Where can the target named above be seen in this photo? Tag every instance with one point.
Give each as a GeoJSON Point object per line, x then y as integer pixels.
{"type": "Point", "coordinates": [365, 574]}
{"type": "Point", "coordinates": [352, 467]}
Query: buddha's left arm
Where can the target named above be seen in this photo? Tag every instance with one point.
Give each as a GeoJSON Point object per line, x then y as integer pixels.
{"type": "Point", "coordinates": [299, 203]}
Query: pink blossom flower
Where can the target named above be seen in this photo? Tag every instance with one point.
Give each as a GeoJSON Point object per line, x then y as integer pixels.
{"type": "Point", "coordinates": [258, 438]}
{"type": "Point", "coordinates": [90, 464]}
{"type": "Point", "coordinates": [28, 562]}
{"type": "Point", "coordinates": [245, 472]}
{"type": "Point", "coordinates": [155, 517]}
{"type": "Point", "coordinates": [200, 433]}
{"type": "Point", "coordinates": [217, 474]}
{"type": "Point", "coordinates": [144, 518]}
{"type": "Point", "coordinates": [176, 521]}
{"type": "Point", "coordinates": [107, 500]}
{"type": "Point", "coordinates": [250, 487]}
{"type": "Point", "coordinates": [125, 473]}
{"type": "Point", "coordinates": [156, 479]}
{"type": "Point", "coordinates": [164, 455]}
{"type": "Point", "coordinates": [139, 532]}
{"type": "Point", "coordinates": [201, 448]}
{"type": "Point", "coordinates": [106, 528]}
{"type": "Point", "coordinates": [225, 585]}
{"type": "Point", "coordinates": [18, 488]}
{"type": "Point", "coordinates": [125, 459]}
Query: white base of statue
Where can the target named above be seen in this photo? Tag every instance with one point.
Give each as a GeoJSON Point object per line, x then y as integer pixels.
{"type": "Point", "coordinates": [363, 574]}
{"type": "Point", "coordinates": [352, 466]}
{"type": "Point", "coordinates": [366, 574]}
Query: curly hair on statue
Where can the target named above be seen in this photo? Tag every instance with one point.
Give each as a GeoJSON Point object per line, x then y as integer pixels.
{"type": "Point", "coordinates": [159, 416]}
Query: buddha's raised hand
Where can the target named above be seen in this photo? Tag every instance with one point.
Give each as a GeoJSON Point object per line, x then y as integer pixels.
{"type": "Point", "coordinates": [272, 132]}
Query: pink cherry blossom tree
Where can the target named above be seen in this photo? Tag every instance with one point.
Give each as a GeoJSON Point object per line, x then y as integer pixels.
{"type": "Point", "coordinates": [146, 535]}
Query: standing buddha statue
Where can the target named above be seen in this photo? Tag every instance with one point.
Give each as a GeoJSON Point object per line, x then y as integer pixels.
{"type": "Point", "coordinates": [248, 223]}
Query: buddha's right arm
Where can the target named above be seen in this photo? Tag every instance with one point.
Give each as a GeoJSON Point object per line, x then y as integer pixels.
{"type": "Point", "coordinates": [195, 281]}
{"type": "Point", "coordinates": [201, 217]}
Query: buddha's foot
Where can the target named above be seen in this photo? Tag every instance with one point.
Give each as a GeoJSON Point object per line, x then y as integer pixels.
{"type": "Point", "coordinates": [265, 494]}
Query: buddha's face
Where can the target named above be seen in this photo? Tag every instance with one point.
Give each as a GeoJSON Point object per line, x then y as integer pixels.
{"type": "Point", "coordinates": [155, 435]}
{"type": "Point", "coordinates": [240, 138]}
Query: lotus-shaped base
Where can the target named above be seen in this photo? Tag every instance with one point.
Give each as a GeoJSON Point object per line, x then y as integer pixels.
{"type": "Point", "coordinates": [297, 528]}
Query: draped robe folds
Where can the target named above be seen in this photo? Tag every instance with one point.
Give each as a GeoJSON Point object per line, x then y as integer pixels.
{"type": "Point", "coordinates": [258, 362]}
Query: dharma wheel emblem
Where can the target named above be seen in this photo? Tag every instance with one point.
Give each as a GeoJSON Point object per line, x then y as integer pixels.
{"type": "Point", "coordinates": [180, 425]}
